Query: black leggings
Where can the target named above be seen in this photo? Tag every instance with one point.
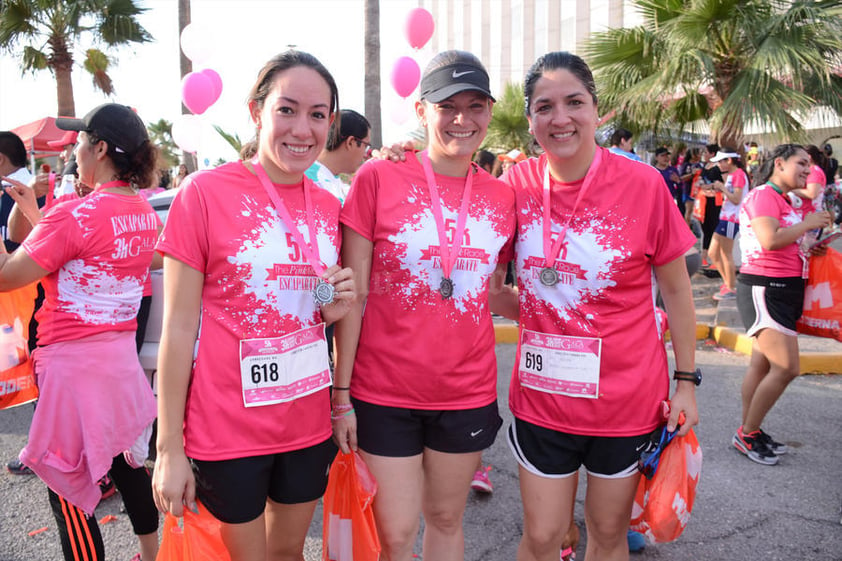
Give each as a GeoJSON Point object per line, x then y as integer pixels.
{"type": "Point", "coordinates": [80, 537]}
{"type": "Point", "coordinates": [711, 221]}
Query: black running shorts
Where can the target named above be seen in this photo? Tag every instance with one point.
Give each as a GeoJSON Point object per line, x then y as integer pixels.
{"type": "Point", "coordinates": [399, 432]}
{"type": "Point", "coordinates": [554, 454]}
{"type": "Point", "coordinates": [770, 302]}
{"type": "Point", "coordinates": [235, 491]}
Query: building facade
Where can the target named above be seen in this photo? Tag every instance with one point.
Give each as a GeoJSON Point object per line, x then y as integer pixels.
{"type": "Point", "coordinates": [508, 35]}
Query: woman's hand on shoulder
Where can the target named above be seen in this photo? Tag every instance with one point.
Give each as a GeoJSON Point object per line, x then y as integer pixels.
{"type": "Point", "coordinates": [342, 280]}
{"type": "Point", "coordinates": [173, 483]}
{"type": "Point", "coordinates": [396, 152]}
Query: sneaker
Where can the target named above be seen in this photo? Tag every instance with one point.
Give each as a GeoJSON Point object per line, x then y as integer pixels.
{"type": "Point", "coordinates": [637, 542]}
{"type": "Point", "coordinates": [16, 467]}
{"type": "Point", "coordinates": [481, 482]}
{"type": "Point", "coordinates": [106, 487]}
{"type": "Point", "coordinates": [567, 554]}
{"type": "Point", "coordinates": [137, 557]}
{"type": "Point", "coordinates": [753, 446]}
{"type": "Point", "coordinates": [777, 448]}
{"type": "Point", "coordinates": [727, 295]}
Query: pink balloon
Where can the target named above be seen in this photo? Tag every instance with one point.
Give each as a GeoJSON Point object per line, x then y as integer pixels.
{"type": "Point", "coordinates": [405, 75]}
{"type": "Point", "coordinates": [216, 82]}
{"type": "Point", "coordinates": [419, 27]}
{"type": "Point", "coordinates": [197, 92]}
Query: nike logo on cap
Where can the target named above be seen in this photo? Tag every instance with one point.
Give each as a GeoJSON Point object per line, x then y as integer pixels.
{"type": "Point", "coordinates": [474, 433]}
{"type": "Point", "coordinates": [460, 74]}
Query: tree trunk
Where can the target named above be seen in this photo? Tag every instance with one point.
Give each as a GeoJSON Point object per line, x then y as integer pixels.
{"type": "Point", "coordinates": [186, 67]}
{"type": "Point", "coordinates": [64, 92]}
{"type": "Point", "coordinates": [61, 63]}
{"type": "Point", "coordinates": [372, 70]}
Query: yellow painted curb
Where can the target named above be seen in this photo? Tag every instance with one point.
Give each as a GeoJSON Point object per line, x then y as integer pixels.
{"type": "Point", "coordinates": [506, 333]}
{"type": "Point", "coordinates": [731, 339]}
{"type": "Point", "coordinates": [811, 363]}
{"type": "Point", "coordinates": [820, 363]}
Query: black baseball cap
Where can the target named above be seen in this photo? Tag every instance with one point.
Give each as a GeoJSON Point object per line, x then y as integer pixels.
{"type": "Point", "coordinates": [661, 150]}
{"type": "Point", "coordinates": [452, 79]}
{"type": "Point", "coordinates": [116, 124]}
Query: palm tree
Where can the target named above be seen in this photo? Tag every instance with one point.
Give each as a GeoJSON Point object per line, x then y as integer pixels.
{"type": "Point", "coordinates": [508, 128]}
{"type": "Point", "coordinates": [372, 70]}
{"type": "Point", "coordinates": [733, 62]}
{"type": "Point", "coordinates": [232, 139]}
{"type": "Point", "coordinates": [160, 133]}
{"type": "Point", "coordinates": [48, 31]}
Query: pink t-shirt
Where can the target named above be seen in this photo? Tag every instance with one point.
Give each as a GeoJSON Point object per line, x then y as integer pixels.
{"type": "Point", "coordinates": [786, 262]}
{"type": "Point", "coordinates": [257, 284]}
{"type": "Point", "coordinates": [809, 206]}
{"type": "Point", "coordinates": [418, 350]}
{"type": "Point", "coordinates": [737, 179]}
{"type": "Point", "coordinates": [625, 224]}
{"type": "Point", "coordinates": [98, 251]}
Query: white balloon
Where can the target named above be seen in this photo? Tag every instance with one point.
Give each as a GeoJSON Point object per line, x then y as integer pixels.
{"type": "Point", "coordinates": [187, 132]}
{"type": "Point", "coordinates": [197, 42]}
{"type": "Point", "coordinates": [402, 110]}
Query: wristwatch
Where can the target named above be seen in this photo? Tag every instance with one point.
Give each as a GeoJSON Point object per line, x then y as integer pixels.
{"type": "Point", "coordinates": [695, 377]}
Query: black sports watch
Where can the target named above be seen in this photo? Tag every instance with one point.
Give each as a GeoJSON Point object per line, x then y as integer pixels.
{"type": "Point", "coordinates": [695, 377]}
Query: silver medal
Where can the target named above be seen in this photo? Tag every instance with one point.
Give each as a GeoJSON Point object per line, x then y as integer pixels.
{"type": "Point", "coordinates": [446, 288]}
{"type": "Point", "coordinates": [549, 276]}
{"type": "Point", "coordinates": [323, 293]}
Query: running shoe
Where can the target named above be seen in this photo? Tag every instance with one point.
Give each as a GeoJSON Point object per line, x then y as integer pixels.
{"type": "Point", "coordinates": [137, 557]}
{"type": "Point", "coordinates": [106, 487]}
{"type": "Point", "coordinates": [637, 542]}
{"type": "Point", "coordinates": [727, 295]}
{"type": "Point", "coordinates": [567, 554]}
{"type": "Point", "coordinates": [481, 483]}
{"type": "Point", "coordinates": [16, 467]}
{"type": "Point", "coordinates": [777, 448]}
{"type": "Point", "coordinates": [753, 446]}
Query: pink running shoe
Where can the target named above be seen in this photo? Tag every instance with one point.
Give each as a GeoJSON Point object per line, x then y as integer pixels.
{"type": "Point", "coordinates": [481, 482]}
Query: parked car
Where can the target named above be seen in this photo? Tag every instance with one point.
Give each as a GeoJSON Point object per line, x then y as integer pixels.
{"type": "Point", "coordinates": [149, 350]}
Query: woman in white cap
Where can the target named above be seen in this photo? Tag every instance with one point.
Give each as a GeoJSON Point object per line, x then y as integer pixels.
{"type": "Point", "coordinates": [95, 404]}
{"type": "Point", "coordinates": [416, 375]}
{"type": "Point", "coordinates": [734, 191]}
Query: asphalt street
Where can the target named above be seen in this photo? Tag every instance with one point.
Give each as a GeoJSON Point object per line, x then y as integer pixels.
{"type": "Point", "coordinates": [743, 511]}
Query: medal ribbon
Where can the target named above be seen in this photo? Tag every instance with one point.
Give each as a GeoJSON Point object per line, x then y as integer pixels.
{"type": "Point", "coordinates": [551, 250]}
{"type": "Point", "coordinates": [311, 252]}
{"type": "Point", "coordinates": [112, 184]}
{"type": "Point", "coordinates": [448, 257]}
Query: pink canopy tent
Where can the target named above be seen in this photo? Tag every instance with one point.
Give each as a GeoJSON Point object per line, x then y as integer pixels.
{"type": "Point", "coordinates": [37, 134]}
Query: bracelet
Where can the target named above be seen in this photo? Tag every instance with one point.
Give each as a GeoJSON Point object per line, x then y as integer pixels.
{"type": "Point", "coordinates": [341, 407]}
{"type": "Point", "coordinates": [345, 414]}
{"type": "Point", "coordinates": [343, 389]}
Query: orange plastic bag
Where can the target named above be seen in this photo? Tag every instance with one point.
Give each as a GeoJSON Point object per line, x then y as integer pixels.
{"type": "Point", "coordinates": [349, 531]}
{"type": "Point", "coordinates": [17, 377]}
{"type": "Point", "coordinates": [663, 504]}
{"type": "Point", "coordinates": [199, 539]}
{"type": "Point", "coordinates": [823, 297]}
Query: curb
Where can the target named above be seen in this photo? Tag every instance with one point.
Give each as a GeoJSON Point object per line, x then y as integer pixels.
{"type": "Point", "coordinates": [811, 363]}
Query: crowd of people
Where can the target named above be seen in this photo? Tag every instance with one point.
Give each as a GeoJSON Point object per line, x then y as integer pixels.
{"type": "Point", "coordinates": [262, 256]}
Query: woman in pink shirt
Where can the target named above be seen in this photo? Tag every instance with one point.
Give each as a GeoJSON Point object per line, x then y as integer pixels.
{"type": "Point", "coordinates": [93, 256]}
{"type": "Point", "coordinates": [770, 291]}
{"type": "Point", "coordinates": [250, 280]}
{"type": "Point", "coordinates": [589, 342]}
{"type": "Point", "coordinates": [416, 372]}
